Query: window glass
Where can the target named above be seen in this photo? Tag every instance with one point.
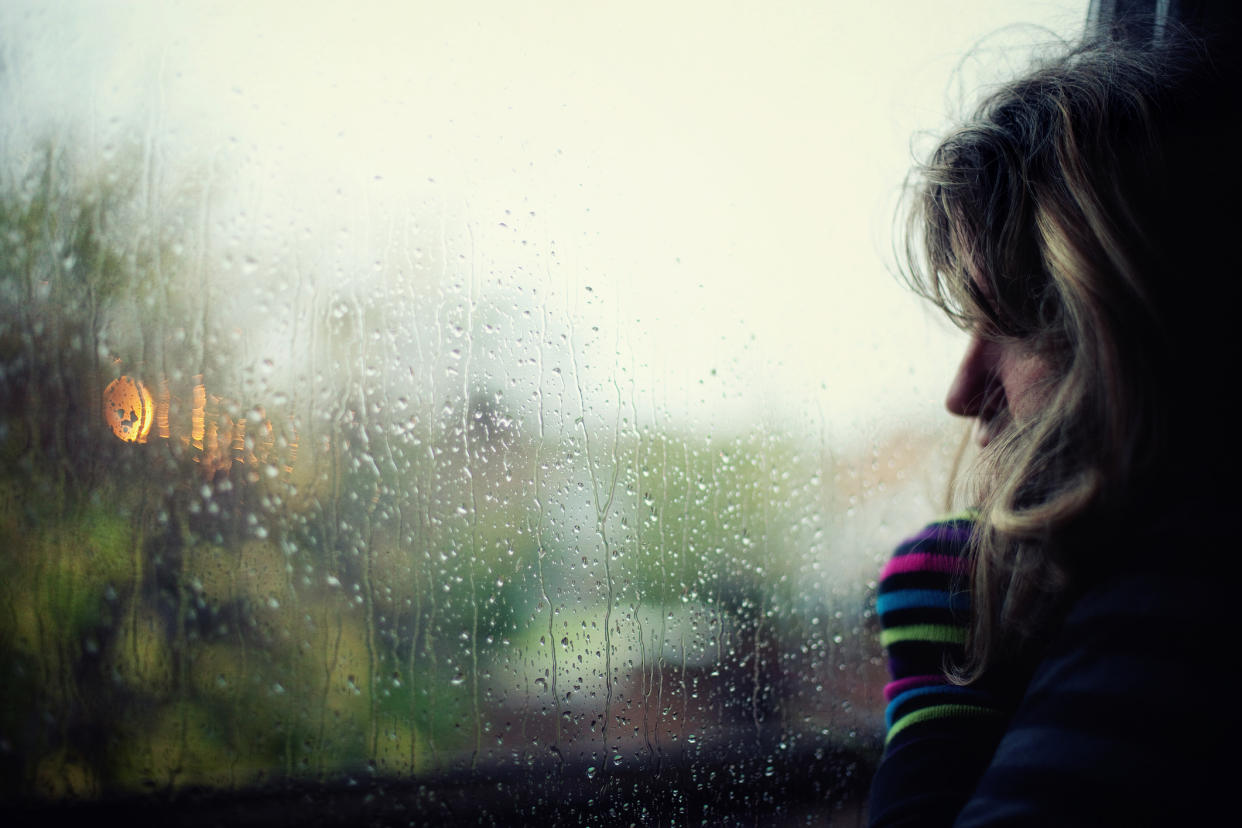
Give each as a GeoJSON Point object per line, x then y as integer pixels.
{"type": "Point", "coordinates": [434, 389]}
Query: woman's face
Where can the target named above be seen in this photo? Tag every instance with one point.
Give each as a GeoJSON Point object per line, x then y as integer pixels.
{"type": "Point", "coordinates": [998, 382]}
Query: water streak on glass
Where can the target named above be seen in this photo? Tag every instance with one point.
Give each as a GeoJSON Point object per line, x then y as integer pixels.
{"type": "Point", "coordinates": [436, 394]}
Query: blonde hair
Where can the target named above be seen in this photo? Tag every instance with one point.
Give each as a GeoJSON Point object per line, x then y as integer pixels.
{"type": "Point", "coordinates": [1059, 217]}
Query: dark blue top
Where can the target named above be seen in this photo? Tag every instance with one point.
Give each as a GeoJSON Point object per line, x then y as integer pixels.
{"type": "Point", "coordinates": [1130, 718]}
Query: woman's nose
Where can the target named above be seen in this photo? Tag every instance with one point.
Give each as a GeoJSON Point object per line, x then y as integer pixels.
{"type": "Point", "coordinates": [969, 389]}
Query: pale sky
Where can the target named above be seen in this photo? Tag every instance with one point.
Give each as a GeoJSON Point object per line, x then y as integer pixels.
{"type": "Point", "coordinates": [721, 175]}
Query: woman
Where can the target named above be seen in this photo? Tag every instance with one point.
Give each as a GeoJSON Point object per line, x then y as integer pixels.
{"type": "Point", "coordinates": [1058, 653]}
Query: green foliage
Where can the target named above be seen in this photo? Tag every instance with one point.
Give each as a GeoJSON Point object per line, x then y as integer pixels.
{"type": "Point", "coordinates": [395, 596]}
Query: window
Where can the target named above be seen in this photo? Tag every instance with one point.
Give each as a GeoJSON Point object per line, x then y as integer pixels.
{"type": "Point", "coordinates": [504, 407]}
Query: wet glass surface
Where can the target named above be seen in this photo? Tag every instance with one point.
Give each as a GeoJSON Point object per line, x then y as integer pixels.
{"type": "Point", "coordinates": [408, 398]}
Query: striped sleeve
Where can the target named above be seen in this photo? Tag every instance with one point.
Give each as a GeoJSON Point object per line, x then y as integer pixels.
{"type": "Point", "coordinates": [941, 736]}
{"type": "Point", "coordinates": [924, 612]}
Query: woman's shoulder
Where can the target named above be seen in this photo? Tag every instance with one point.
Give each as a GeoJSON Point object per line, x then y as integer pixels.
{"type": "Point", "coordinates": [1130, 716]}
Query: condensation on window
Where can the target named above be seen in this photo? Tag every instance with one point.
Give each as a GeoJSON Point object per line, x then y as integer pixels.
{"type": "Point", "coordinates": [415, 391]}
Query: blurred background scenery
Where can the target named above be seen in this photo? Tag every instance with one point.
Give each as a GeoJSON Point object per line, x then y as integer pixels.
{"type": "Point", "coordinates": [430, 387]}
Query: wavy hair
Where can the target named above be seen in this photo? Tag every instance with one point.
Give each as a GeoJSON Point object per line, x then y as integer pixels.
{"type": "Point", "coordinates": [1084, 213]}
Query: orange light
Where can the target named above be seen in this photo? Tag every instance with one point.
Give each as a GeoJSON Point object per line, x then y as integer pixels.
{"type": "Point", "coordinates": [128, 409]}
{"type": "Point", "coordinates": [198, 415]}
{"type": "Point", "coordinates": [161, 411]}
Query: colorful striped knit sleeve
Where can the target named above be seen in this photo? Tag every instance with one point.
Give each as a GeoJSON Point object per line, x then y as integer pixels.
{"type": "Point", "coordinates": [924, 611]}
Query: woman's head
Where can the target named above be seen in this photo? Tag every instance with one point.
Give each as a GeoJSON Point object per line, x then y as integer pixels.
{"type": "Point", "coordinates": [1080, 226]}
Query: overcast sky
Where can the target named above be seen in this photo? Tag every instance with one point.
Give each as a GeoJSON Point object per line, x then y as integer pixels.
{"type": "Point", "coordinates": [721, 175]}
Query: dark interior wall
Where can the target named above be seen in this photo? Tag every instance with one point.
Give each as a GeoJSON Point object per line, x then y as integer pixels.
{"type": "Point", "coordinates": [1146, 19]}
